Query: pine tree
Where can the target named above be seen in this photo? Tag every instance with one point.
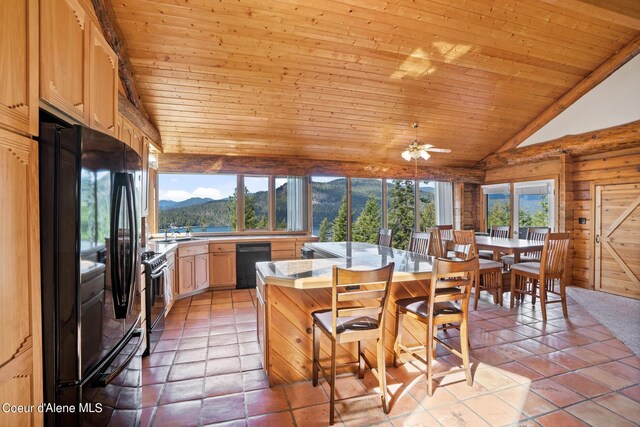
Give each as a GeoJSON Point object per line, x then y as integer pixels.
{"type": "Point", "coordinates": [540, 218]}
{"type": "Point", "coordinates": [367, 225]}
{"type": "Point", "coordinates": [500, 214]}
{"type": "Point", "coordinates": [428, 215]}
{"type": "Point", "coordinates": [324, 232]}
{"type": "Point", "coordinates": [401, 211]}
{"type": "Point", "coordinates": [340, 223]}
{"type": "Point", "coordinates": [251, 221]}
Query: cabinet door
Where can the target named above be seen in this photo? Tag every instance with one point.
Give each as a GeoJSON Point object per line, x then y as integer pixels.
{"type": "Point", "coordinates": [103, 83]}
{"type": "Point", "coordinates": [222, 269]}
{"type": "Point", "coordinates": [174, 283]}
{"type": "Point", "coordinates": [19, 65]}
{"type": "Point", "coordinates": [64, 42]}
{"type": "Point", "coordinates": [186, 279]}
{"type": "Point", "coordinates": [202, 271]}
{"type": "Point", "coordinates": [126, 132]}
{"type": "Point", "coordinates": [261, 327]}
{"type": "Point", "coordinates": [20, 316]}
{"type": "Point", "coordinates": [138, 140]}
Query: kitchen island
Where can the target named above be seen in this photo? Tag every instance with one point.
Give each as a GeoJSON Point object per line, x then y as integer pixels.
{"type": "Point", "coordinates": [289, 291]}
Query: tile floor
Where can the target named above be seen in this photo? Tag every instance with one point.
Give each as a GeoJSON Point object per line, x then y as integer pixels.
{"type": "Point", "coordinates": [205, 369]}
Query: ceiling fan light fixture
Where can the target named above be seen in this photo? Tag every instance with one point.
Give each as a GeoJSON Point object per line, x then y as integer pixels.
{"type": "Point", "coordinates": [406, 155]}
{"type": "Point", "coordinates": [424, 154]}
{"type": "Point", "coordinates": [416, 151]}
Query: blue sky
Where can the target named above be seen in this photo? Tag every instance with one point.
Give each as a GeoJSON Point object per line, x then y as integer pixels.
{"type": "Point", "coordinates": [179, 187]}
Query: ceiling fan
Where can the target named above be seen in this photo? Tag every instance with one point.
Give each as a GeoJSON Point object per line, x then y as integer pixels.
{"type": "Point", "coordinates": [416, 150]}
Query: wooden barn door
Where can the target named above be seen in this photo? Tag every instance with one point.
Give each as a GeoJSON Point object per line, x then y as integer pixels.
{"type": "Point", "coordinates": [617, 229]}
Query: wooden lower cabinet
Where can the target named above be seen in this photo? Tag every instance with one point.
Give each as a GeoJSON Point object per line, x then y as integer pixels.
{"type": "Point", "coordinates": [261, 314]}
{"type": "Point", "coordinates": [201, 271]}
{"type": "Point", "coordinates": [174, 284]}
{"type": "Point", "coordinates": [186, 275]}
{"type": "Point", "coordinates": [20, 316]}
{"type": "Point", "coordinates": [222, 269]}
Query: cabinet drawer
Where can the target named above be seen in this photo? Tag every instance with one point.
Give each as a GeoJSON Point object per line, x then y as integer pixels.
{"type": "Point", "coordinates": [287, 245]}
{"type": "Point", "coordinates": [222, 247]}
{"type": "Point", "coordinates": [193, 250]}
{"type": "Point", "coordinates": [171, 258]}
{"type": "Point", "coordinates": [278, 255]}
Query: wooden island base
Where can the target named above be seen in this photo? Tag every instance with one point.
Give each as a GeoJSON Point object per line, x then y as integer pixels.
{"type": "Point", "coordinates": [285, 330]}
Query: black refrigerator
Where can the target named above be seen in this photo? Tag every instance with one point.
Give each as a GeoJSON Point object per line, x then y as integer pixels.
{"type": "Point", "coordinates": [90, 257]}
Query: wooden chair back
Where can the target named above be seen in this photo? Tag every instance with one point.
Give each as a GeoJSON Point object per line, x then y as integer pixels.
{"type": "Point", "coordinates": [452, 281]}
{"type": "Point", "coordinates": [537, 234]}
{"type": "Point", "coordinates": [365, 293]}
{"type": "Point", "coordinates": [464, 244]}
{"type": "Point", "coordinates": [502, 231]}
{"type": "Point", "coordinates": [385, 237]}
{"type": "Point", "coordinates": [554, 256]}
{"type": "Point", "coordinates": [436, 247]}
{"type": "Point", "coordinates": [445, 231]}
{"type": "Point", "coordinates": [420, 242]}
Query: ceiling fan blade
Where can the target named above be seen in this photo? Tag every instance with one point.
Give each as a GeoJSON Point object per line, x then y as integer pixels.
{"type": "Point", "coordinates": [438, 150]}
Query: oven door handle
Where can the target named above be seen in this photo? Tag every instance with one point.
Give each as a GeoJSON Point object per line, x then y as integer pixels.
{"type": "Point", "coordinates": [159, 273]}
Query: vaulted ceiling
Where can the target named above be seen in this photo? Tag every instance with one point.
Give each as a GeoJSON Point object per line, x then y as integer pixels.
{"type": "Point", "coordinates": [344, 80]}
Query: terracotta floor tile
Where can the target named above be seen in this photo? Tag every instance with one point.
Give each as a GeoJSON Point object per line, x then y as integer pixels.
{"type": "Point", "coordinates": [490, 356]}
{"type": "Point", "coordinates": [596, 415]}
{"type": "Point", "coordinates": [246, 327]}
{"type": "Point", "coordinates": [519, 373]}
{"type": "Point", "coordinates": [166, 345]}
{"type": "Point", "coordinates": [560, 419]}
{"type": "Point", "coordinates": [314, 416]}
{"type": "Point", "coordinates": [362, 411]}
{"type": "Point", "coordinates": [222, 351]}
{"type": "Point", "coordinates": [612, 381]}
{"type": "Point", "coordinates": [219, 385]}
{"type": "Point", "coordinates": [192, 315]}
{"type": "Point", "coordinates": [632, 392]}
{"type": "Point", "coordinates": [565, 359]}
{"type": "Point", "coordinates": [196, 323]}
{"type": "Point", "coordinates": [255, 380]}
{"type": "Point", "coordinates": [226, 365]}
{"type": "Point", "coordinates": [419, 419]}
{"type": "Point", "coordinates": [194, 355]}
{"type": "Point", "coordinates": [146, 416]}
{"type": "Point", "coordinates": [457, 415]}
{"type": "Point", "coordinates": [185, 371]}
{"type": "Point", "coordinates": [555, 342]}
{"type": "Point", "coordinates": [574, 338]}
{"type": "Point", "coordinates": [346, 386]}
{"type": "Point", "coordinates": [192, 343]}
{"type": "Point", "coordinates": [512, 351]}
{"type": "Point", "coordinates": [525, 401]}
{"type": "Point", "coordinates": [622, 370]}
{"type": "Point", "coordinates": [248, 348]}
{"type": "Point", "coordinates": [542, 365]}
{"type": "Point", "coordinates": [250, 362]}
{"type": "Point", "coordinates": [181, 391]}
{"type": "Point", "coordinates": [178, 414]}
{"type": "Point", "coordinates": [493, 410]}
{"type": "Point", "coordinates": [266, 400]}
{"type": "Point", "coordinates": [151, 394]}
{"type": "Point", "coordinates": [247, 336]}
{"type": "Point", "coordinates": [632, 361]}
{"type": "Point", "coordinates": [592, 333]}
{"type": "Point", "coordinates": [223, 408]}
{"type": "Point", "coordinates": [155, 375]}
{"type": "Point", "coordinates": [305, 394]}
{"type": "Point", "coordinates": [535, 347]}
{"type": "Point", "coordinates": [284, 419]}
{"type": "Point", "coordinates": [172, 324]}
{"type": "Point", "coordinates": [557, 394]}
{"type": "Point", "coordinates": [222, 321]}
{"type": "Point", "coordinates": [492, 379]}
{"type": "Point", "coordinates": [226, 339]}
{"type": "Point", "coordinates": [610, 351]}
{"type": "Point", "coordinates": [158, 359]}
{"type": "Point", "coordinates": [195, 332]}
{"type": "Point", "coordinates": [222, 330]}
{"type": "Point", "coordinates": [621, 405]}
{"type": "Point", "coordinates": [581, 384]}
{"type": "Point", "coordinates": [172, 334]}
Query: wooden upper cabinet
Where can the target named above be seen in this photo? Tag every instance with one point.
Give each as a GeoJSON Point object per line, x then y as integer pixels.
{"type": "Point", "coordinates": [19, 65]}
{"type": "Point", "coordinates": [126, 133]}
{"type": "Point", "coordinates": [103, 83]}
{"type": "Point", "coordinates": [64, 41]}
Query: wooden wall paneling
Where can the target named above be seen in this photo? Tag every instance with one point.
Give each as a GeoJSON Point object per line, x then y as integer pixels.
{"type": "Point", "coordinates": [527, 172]}
{"type": "Point", "coordinates": [21, 338]}
{"type": "Point", "coordinates": [64, 33]}
{"type": "Point", "coordinates": [103, 83]}
{"type": "Point", "coordinates": [472, 207]}
{"type": "Point", "coordinates": [19, 66]}
{"type": "Point", "coordinates": [458, 205]}
{"type": "Point", "coordinates": [565, 208]}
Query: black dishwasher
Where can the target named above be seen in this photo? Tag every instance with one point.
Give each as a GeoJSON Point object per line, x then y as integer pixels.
{"type": "Point", "coordinates": [247, 254]}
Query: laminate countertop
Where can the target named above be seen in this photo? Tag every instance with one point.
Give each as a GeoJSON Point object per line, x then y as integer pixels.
{"type": "Point", "coordinates": [316, 273]}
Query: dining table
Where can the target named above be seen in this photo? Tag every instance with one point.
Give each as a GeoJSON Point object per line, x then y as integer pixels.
{"type": "Point", "coordinates": [502, 245]}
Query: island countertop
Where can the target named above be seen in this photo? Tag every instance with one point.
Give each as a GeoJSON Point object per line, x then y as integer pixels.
{"type": "Point", "coordinates": [316, 273]}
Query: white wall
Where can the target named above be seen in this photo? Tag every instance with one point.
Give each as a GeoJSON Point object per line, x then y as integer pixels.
{"type": "Point", "coordinates": [614, 101]}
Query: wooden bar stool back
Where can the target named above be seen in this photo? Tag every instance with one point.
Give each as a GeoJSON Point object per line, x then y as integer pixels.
{"type": "Point", "coordinates": [499, 231]}
{"type": "Point", "coordinates": [446, 304]}
{"type": "Point", "coordinates": [420, 242]}
{"type": "Point", "coordinates": [547, 275]}
{"type": "Point", "coordinates": [358, 312]}
{"type": "Point", "coordinates": [385, 237]}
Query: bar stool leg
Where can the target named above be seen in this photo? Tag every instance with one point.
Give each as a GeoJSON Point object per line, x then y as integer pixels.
{"type": "Point", "coordinates": [398, 341]}
{"type": "Point", "coordinates": [430, 354]}
{"type": "Point", "coordinates": [382, 375]}
{"type": "Point", "coordinates": [464, 344]}
{"type": "Point", "coordinates": [316, 353]}
{"type": "Point", "coordinates": [332, 402]}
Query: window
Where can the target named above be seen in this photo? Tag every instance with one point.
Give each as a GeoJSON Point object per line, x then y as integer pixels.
{"type": "Point", "coordinates": [197, 202]}
{"type": "Point", "coordinates": [256, 202]}
{"type": "Point", "coordinates": [427, 204]}
{"type": "Point", "coordinates": [497, 205]}
{"type": "Point", "coordinates": [366, 205]}
{"type": "Point", "coordinates": [329, 205]}
{"type": "Point", "coordinates": [291, 203]}
{"type": "Point", "coordinates": [401, 210]}
{"type": "Point", "coordinates": [533, 205]}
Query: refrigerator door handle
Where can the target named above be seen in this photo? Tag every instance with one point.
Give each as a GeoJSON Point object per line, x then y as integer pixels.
{"type": "Point", "coordinates": [133, 243]}
{"type": "Point", "coordinates": [115, 246]}
{"type": "Point", "coordinates": [103, 378]}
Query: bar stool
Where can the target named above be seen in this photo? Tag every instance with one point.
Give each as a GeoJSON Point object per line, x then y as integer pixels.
{"type": "Point", "coordinates": [385, 237]}
{"type": "Point", "coordinates": [354, 324]}
{"type": "Point", "coordinates": [544, 275]}
{"type": "Point", "coordinates": [446, 304]}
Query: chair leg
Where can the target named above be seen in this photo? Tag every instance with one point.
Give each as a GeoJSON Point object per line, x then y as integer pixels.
{"type": "Point", "coordinates": [316, 353]}
{"type": "Point", "coordinates": [430, 354]}
{"type": "Point", "coordinates": [464, 343]}
{"type": "Point", "coordinates": [332, 401]}
{"type": "Point", "coordinates": [543, 298]}
{"type": "Point", "coordinates": [398, 341]}
{"type": "Point", "coordinates": [475, 303]}
{"type": "Point", "coordinates": [361, 366]}
{"type": "Point", "coordinates": [563, 296]}
{"type": "Point", "coordinates": [514, 280]}
{"type": "Point", "coordinates": [533, 291]}
{"type": "Point", "coordinates": [382, 374]}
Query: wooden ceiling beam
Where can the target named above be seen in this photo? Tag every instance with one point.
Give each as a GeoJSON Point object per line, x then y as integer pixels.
{"type": "Point", "coordinates": [615, 138]}
{"type": "Point", "coordinates": [619, 12]}
{"type": "Point", "coordinates": [189, 163]}
{"type": "Point", "coordinates": [113, 35]}
{"type": "Point", "coordinates": [602, 72]}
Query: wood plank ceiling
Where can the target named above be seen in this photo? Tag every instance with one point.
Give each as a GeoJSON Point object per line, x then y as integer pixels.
{"type": "Point", "coordinates": [344, 80]}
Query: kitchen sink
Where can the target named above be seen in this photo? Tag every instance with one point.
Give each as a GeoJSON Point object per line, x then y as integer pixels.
{"type": "Point", "coordinates": [177, 240]}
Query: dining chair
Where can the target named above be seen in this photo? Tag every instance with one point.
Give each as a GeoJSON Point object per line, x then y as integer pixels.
{"type": "Point", "coordinates": [536, 234]}
{"type": "Point", "coordinates": [420, 242]}
{"type": "Point", "coordinates": [490, 272]}
{"type": "Point", "coordinates": [366, 319]}
{"type": "Point", "coordinates": [446, 235]}
{"type": "Point", "coordinates": [540, 278]}
{"type": "Point", "coordinates": [500, 231]}
{"type": "Point", "coordinates": [385, 237]}
{"type": "Point", "coordinates": [446, 304]}
{"type": "Point", "coordinates": [436, 242]}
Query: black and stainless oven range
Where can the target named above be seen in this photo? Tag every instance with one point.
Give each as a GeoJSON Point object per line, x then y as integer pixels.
{"type": "Point", "coordinates": [156, 276]}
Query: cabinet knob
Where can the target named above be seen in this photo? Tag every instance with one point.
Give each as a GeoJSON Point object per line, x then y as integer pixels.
{"type": "Point", "coordinates": [309, 330]}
